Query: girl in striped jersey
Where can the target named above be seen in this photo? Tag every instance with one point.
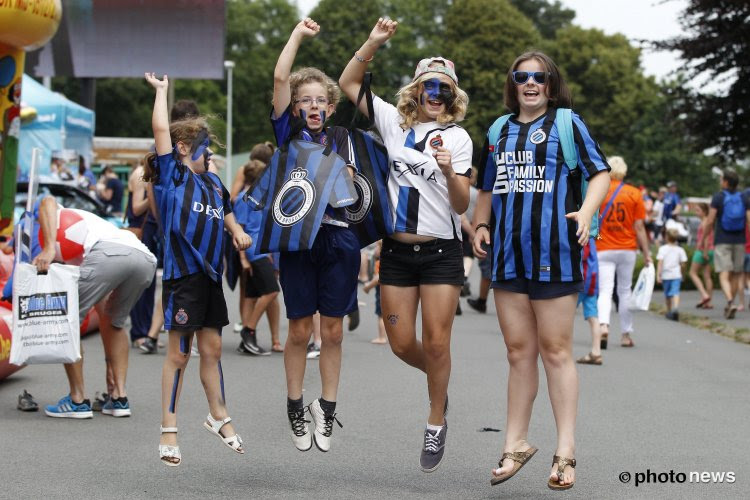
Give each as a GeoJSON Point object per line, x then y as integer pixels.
{"type": "Point", "coordinates": [526, 209]}
{"type": "Point", "coordinates": [428, 187]}
{"type": "Point", "coordinates": [194, 210]}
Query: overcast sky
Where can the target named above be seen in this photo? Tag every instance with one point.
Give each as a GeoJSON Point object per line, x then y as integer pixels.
{"type": "Point", "coordinates": [636, 19]}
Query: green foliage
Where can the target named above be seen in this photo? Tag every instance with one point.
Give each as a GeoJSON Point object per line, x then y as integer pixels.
{"type": "Point", "coordinates": [547, 17]}
{"type": "Point", "coordinates": [483, 38]}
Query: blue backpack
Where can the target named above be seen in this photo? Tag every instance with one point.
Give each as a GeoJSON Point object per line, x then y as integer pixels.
{"type": "Point", "coordinates": [733, 212]}
{"type": "Point", "coordinates": [564, 122]}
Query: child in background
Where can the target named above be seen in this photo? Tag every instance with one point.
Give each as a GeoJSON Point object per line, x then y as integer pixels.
{"type": "Point", "coordinates": [588, 298]}
{"type": "Point", "coordinates": [669, 272]}
{"type": "Point", "coordinates": [375, 283]}
{"type": "Point", "coordinates": [192, 294]}
{"type": "Point", "coordinates": [702, 260]}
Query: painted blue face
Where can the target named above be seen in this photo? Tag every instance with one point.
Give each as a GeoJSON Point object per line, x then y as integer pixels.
{"type": "Point", "coordinates": [303, 115]}
{"type": "Point", "coordinates": [200, 145]}
{"type": "Point", "coordinates": [437, 91]}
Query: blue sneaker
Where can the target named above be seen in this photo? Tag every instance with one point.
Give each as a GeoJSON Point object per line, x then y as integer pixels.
{"type": "Point", "coordinates": [66, 408]}
{"type": "Point", "coordinates": [116, 408]}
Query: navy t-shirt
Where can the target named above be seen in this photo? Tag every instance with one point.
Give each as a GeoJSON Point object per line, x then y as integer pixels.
{"type": "Point", "coordinates": [114, 203]}
{"type": "Point", "coordinates": [720, 235]}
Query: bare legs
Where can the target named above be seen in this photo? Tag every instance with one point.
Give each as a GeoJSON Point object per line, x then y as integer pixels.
{"type": "Point", "coordinates": [432, 355]}
{"type": "Point", "coordinates": [533, 328]}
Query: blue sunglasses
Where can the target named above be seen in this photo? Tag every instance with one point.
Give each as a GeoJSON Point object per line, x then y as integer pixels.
{"type": "Point", "coordinates": [521, 77]}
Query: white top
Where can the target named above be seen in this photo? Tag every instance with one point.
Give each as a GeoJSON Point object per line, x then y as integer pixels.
{"type": "Point", "coordinates": [101, 230]}
{"type": "Point", "coordinates": [672, 256]}
{"type": "Point", "coordinates": [417, 189]}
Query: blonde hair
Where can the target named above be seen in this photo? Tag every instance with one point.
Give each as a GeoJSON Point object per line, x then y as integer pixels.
{"type": "Point", "coordinates": [673, 235]}
{"type": "Point", "coordinates": [408, 105]}
{"type": "Point", "coordinates": [619, 168]}
{"type": "Point", "coordinates": [314, 75]}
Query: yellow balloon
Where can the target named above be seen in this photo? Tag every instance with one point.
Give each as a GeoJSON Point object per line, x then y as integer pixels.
{"type": "Point", "coordinates": [29, 24]}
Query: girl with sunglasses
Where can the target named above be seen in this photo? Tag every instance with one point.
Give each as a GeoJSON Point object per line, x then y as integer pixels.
{"type": "Point", "coordinates": [527, 212]}
{"type": "Point", "coordinates": [428, 187]}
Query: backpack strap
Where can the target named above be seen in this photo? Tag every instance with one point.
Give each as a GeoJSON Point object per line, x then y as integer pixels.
{"type": "Point", "coordinates": [564, 122]}
{"type": "Point", "coordinates": [493, 135]}
{"type": "Point", "coordinates": [611, 200]}
{"type": "Point", "coordinates": [366, 93]}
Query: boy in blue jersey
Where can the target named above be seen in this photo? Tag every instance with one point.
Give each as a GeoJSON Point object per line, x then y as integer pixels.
{"type": "Point", "coordinates": [588, 298]}
{"type": "Point", "coordinates": [194, 209]}
{"type": "Point", "coordinates": [324, 278]}
{"type": "Point", "coordinates": [527, 208]}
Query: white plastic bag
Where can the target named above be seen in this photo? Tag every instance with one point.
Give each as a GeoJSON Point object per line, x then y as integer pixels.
{"type": "Point", "coordinates": [45, 315]}
{"type": "Point", "coordinates": [644, 288]}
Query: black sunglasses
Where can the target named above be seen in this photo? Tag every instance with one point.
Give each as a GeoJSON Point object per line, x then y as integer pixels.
{"type": "Point", "coordinates": [521, 77]}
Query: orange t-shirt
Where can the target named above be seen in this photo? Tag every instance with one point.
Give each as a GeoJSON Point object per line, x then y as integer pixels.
{"type": "Point", "coordinates": [616, 230]}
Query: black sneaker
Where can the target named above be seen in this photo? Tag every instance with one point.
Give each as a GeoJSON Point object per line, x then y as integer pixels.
{"type": "Point", "coordinates": [459, 312]}
{"type": "Point", "coordinates": [250, 343]}
{"type": "Point", "coordinates": [466, 289]}
{"type": "Point", "coordinates": [433, 449]}
{"type": "Point", "coordinates": [313, 351]}
{"type": "Point", "coordinates": [354, 320]}
{"type": "Point", "coordinates": [26, 402]}
{"type": "Point", "coordinates": [478, 305]}
{"type": "Point", "coordinates": [99, 401]}
{"type": "Point", "coordinates": [148, 346]}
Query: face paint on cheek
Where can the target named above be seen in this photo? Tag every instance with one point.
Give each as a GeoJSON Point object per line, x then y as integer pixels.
{"type": "Point", "coordinates": [302, 114]}
{"type": "Point", "coordinates": [200, 145]}
{"type": "Point", "coordinates": [322, 117]}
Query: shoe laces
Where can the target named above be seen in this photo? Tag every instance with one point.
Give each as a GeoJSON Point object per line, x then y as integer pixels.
{"type": "Point", "coordinates": [328, 424]}
{"type": "Point", "coordinates": [297, 420]}
{"type": "Point", "coordinates": [431, 441]}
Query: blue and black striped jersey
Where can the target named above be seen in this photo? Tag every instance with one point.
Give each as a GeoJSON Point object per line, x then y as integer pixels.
{"type": "Point", "coordinates": [192, 208]}
{"type": "Point", "coordinates": [532, 190]}
{"type": "Point", "coordinates": [293, 193]}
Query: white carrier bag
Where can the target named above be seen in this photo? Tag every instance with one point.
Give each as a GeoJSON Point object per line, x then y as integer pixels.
{"type": "Point", "coordinates": [644, 288]}
{"type": "Point", "coordinates": [45, 315]}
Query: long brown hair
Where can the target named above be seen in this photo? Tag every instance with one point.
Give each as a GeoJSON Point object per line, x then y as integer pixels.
{"type": "Point", "coordinates": [557, 90]}
{"type": "Point", "coordinates": [149, 168]}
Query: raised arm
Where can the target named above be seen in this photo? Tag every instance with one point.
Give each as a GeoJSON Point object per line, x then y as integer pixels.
{"type": "Point", "coordinates": [160, 116]}
{"type": "Point", "coordinates": [282, 94]}
{"type": "Point", "coordinates": [351, 79]}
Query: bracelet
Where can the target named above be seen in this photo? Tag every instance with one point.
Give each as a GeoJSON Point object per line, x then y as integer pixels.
{"type": "Point", "coordinates": [362, 60]}
{"type": "Point", "coordinates": [481, 225]}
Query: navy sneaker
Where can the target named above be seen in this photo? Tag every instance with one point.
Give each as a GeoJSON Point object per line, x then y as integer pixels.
{"type": "Point", "coordinates": [117, 408]}
{"type": "Point", "coordinates": [433, 449]}
{"type": "Point", "coordinates": [66, 408]}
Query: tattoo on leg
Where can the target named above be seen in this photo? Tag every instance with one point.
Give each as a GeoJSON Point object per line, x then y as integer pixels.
{"type": "Point", "coordinates": [175, 384]}
{"type": "Point", "coordinates": [221, 383]}
{"type": "Point", "coordinates": [393, 319]}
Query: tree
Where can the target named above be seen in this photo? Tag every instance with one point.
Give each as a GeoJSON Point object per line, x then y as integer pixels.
{"type": "Point", "coordinates": [548, 17]}
{"type": "Point", "coordinates": [483, 38]}
{"type": "Point", "coordinates": [716, 46]}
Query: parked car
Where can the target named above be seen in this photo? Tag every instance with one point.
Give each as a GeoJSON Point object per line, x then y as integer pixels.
{"type": "Point", "coordinates": [68, 195]}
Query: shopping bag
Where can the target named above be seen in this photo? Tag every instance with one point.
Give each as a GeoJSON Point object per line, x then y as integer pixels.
{"type": "Point", "coordinates": [644, 287]}
{"type": "Point", "coordinates": [45, 315]}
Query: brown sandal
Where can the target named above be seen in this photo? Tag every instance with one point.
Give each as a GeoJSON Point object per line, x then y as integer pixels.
{"type": "Point", "coordinates": [561, 464]}
{"type": "Point", "coordinates": [519, 457]}
{"type": "Point", "coordinates": [626, 340]}
{"type": "Point", "coordinates": [590, 359]}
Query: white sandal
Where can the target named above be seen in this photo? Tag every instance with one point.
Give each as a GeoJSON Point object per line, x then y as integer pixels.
{"type": "Point", "coordinates": [214, 426]}
{"type": "Point", "coordinates": [168, 454]}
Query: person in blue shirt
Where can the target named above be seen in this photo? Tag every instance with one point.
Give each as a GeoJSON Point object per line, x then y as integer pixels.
{"type": "Point", "coordinates": [527, 209]}
{"type": "Point", "coordinates": [109, 190]}
{"type": "Point", "coordinates": [324, 278]}
{"type": "Point", "coordinates": [194, 210]}
{"type": "Point", "coordinates": [672, 202]}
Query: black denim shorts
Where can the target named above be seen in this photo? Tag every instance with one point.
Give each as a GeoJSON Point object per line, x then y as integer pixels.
{"type": "Point", "coordinates": [435, 262]}
{"type": "Point", "coordinates": [539, 290]}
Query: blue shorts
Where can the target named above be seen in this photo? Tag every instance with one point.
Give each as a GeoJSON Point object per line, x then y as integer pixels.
{"type": "Point", "coordinates": [323, 278]}
{"type": "Point", "coordinates": [485, 265]}
{"type": "Point", "coordinates": [747, 262]}
{"type": "Point", "coordinates": [539, 290]}
{"type": "Point", "coordinates": [671, 287]}
{"type": "Point", "coordinates": [589, 305]}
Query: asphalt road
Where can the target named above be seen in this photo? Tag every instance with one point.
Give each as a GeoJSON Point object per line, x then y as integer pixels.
{"type": "Point", "coordinates": [677, 402]}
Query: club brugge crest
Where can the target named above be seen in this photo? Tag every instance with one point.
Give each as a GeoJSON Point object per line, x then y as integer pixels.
{"type": "Point", "coordinates": [538, 136]}
{"type": "Point", "coordinates": [358, 211]}
{"type": "Point", "coordinates": [295, 199]}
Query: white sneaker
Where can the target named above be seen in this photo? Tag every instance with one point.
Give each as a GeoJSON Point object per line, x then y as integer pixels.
{"type": "Point", "coordinates": [313, 351]}
{"type": "Point", "coordinates": [301, 436]}
{"type": "Point", "coordinates": [237, 327]}
{"type": "Point", "coordinates": [323, 426]}
{"type": "Point", "coordinates": [194, 351]}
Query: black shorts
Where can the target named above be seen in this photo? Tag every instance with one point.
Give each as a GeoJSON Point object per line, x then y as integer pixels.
{"type": "Point", "coordinates": [263, 280]}
{"type": "Point", "coordinates": [436, 262]}
{"type": "Point", "coordinates": [193, 302]}
{"type": "Point", "coordinates": [539, 290]}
